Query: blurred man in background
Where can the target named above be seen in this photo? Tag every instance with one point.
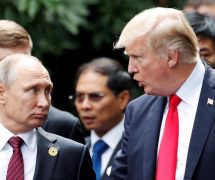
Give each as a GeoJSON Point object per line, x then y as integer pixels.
{"type": "Point", "coordinates": [102, 92]}
{"type": "Point", "coordinates": [207, 7]}
{"type": "Point", "coordinates": [201, 6]}
{"type": "Point", "coordinates": [204, 27]}
{"type": "Point", "coordinates": [191, 5]}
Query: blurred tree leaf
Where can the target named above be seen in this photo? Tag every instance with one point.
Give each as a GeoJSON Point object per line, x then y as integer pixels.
{"type": "Point", "coordinates": [56, 25]}
{"type": "Point", "coordinates": [108, 18]}
{"type": "Point", "coordinates": [53, 24]}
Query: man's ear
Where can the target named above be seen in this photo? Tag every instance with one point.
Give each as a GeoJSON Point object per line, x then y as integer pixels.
{"type": "Point", "coordinates": [124, 98]}
{"type": "Point", "coordinates": [2, 94]}
{"type": "Point", "coordinates": [173, 58]}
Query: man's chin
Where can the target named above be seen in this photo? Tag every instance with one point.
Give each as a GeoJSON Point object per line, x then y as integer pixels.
{"type": "Point", "coordinates": [37, 123]}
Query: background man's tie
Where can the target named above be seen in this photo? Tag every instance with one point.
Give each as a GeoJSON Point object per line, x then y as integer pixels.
{"type": "Point", "coordinates": [99, 148]}
{"type": "Point", "coordinates": [167, 156]}
{"type": "Point", "coordinates": [15, 169]}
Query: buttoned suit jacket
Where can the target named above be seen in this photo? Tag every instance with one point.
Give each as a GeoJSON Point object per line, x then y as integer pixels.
{"type": "Point", "coordinates": [137, 159]}
{"type": "Point", "coordinates": [70, 162]}
{"type": "Point", "coordinates": [64, 124]}
{"type": "Point", "coordinates": [110, 162]}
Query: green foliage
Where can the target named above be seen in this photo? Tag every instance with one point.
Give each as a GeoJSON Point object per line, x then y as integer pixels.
{"type": "Point", "coordinates": [56, 25]}
{"type": "Point", "coordinates": [108, 18]}
{"type": "Point", "coordinates": [53, 24]}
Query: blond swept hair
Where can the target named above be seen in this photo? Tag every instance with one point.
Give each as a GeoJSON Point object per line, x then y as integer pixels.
{"type": "Point", "coordinates": [165, 30]}
{"type": "Point", "coordinates": [12, 34]}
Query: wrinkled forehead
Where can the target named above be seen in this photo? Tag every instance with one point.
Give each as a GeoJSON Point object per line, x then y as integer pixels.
{"type": "Point", "coordinates": [32, 71]}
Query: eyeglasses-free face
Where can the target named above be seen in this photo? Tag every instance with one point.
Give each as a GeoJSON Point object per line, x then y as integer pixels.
{"type": "Point", "coordinates": [98, 107]}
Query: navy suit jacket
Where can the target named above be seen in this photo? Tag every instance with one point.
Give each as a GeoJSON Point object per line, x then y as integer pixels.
{"type": "Point", "coordinates": [137, 159]}
{"type": "Point", "coordinates": [110, 162]}
{"type": "Point", "coordinates": [64, 124]}
{"type": "Point", "coordinates": [71, 162]}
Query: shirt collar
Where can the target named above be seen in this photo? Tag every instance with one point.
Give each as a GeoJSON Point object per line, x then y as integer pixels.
{"type": "Point", "coordinates": [5, 136]}
{"type": "Point", "coordinates": [112, 137]}
{"type": "Point", "coordinates": [193, 83]}
{"type": "Point", "coordinates": [29, 138]}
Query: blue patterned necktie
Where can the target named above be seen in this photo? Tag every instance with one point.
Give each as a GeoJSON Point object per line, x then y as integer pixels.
{"type": "Point", "coordinates": [99, 148]}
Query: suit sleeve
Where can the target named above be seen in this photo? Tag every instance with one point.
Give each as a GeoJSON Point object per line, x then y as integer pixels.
{"type": "Point", "coordinates": [77, 133]}
{"type": "Point", "coordinates": [119, 169]}
{"type": "Point", "coordinates": [64, 124]}
{"type": "Point", "coordinates": [86, 168]}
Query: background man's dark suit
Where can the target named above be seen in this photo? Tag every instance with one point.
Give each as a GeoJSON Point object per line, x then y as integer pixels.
{"type": "Point", "coordinates": [64, 124]}
{"type": "Point", "coordinates": [72, 161]}
{"type": "Point", "coordinates": [142, 127]}
{"type": "Point", "coordinates": [109, 165]}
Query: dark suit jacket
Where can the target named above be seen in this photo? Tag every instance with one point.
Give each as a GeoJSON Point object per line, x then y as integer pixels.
{"type": "Point", "coordinates": [109, 165]}
{"type": "Point", "coordinates": [64, 124]}
{"type": "Point", "coordinates": [137, 159]}
{"type": "Point", "coordinates": [72, 162]}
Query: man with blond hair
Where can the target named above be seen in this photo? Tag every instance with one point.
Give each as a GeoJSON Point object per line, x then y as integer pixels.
{"type": "Point", "coordinates": [169, 131]}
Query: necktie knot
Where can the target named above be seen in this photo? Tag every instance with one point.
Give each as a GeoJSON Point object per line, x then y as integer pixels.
{"type": "Point", "coordinates": [15, 142]}
{"type": "Point", "coordinates": [174, 100]}
{"type": "Point", "coordinates": [99, 147]}
{"type": "Point", "coordinates": [16, 165]}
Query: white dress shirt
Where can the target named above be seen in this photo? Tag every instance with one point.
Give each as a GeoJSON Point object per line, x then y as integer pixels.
{"type": "Point", "coordinates": [111, 138]}
{"type": "Point", "coordinates": [28, 148]}
{"type": "Point", "coordinates": [189, 93]}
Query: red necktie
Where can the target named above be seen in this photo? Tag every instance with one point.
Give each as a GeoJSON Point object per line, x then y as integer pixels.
{"type": "Point", "coordinates": [167, 157]}
{"type": "Point", "coordinates": [15, 169]}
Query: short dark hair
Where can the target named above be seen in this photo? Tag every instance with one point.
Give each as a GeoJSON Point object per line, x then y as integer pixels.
{"type": "Point", "coordinates": [118, 79]}
{"type": "Point", "coordinates": [202, 24]}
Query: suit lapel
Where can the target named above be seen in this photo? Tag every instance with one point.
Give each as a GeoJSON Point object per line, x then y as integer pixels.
{"type": "Point", "coordinates": [88, 141]}
{"type": "Point", "coordinates": [46, 157]}
{"type": "Point", "coordinates": [203, 122]}
{"type": "Point", "coordinates": [109, 165]}
{"type": "Point", "coordinates": [150, 136]}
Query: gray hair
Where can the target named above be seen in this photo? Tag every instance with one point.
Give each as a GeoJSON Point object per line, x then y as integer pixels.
{"type": "Point", "coordinates": [8, 69]}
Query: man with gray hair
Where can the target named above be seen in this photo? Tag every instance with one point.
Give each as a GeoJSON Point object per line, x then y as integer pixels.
{"type": "Point", "coordinates": [169, 131]}
{"type": "Point", "coordinates": [15, 39]}
{"type": "Point", "coordinates": [26, 150]}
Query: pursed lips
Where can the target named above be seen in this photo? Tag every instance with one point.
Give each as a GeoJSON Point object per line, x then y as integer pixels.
{"type": "Point", "coordinates": [88, 119]}
{"type": "Point", "coordinates": [40, 115]}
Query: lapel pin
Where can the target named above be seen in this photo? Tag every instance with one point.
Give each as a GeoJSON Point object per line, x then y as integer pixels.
{"type": "Point", "coordinates": [53, 151]}
{"type": "Point", "coordinates": [210, 101]}
{"type": "Point", "coordinates": [108, 170]}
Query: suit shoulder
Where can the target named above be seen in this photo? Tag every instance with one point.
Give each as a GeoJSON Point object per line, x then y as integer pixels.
{"type": "Point", "coordinates": [144, 99]}
{"type": "Point", "coordinates": [59, 115]}
{"type": "Point", "coordinates": [59, 140]}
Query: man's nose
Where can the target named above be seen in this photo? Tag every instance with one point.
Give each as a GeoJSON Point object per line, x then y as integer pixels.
{"type": "Point", "coordinates": [86, 104]}
{"type": "Point", "coordinates": [44, 100]}
{"type": "Point", "coordinates": [132, 67]}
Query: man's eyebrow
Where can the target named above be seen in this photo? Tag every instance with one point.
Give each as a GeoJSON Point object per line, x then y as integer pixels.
{"type": "Point", "coordinates": [204, 50]}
